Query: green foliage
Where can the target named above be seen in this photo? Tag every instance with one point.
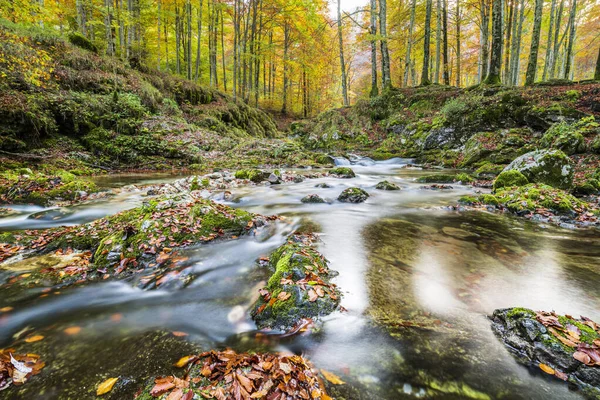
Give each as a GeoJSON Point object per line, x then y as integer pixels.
{"type": "Point", "coordinates": [565, 137]}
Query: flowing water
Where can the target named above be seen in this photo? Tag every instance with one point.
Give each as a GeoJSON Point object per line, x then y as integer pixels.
{"type": "Point", "coordinates": [418, 278]}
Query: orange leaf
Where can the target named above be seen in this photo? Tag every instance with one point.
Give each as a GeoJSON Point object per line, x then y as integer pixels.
{"type": "Point", "coordinates": [72, 330]}
{"type": "Point", "coordinates": [183, 361]}
{"type": "Point", "coordinates": [179, 334]}
{"type": "Point", "coordinates": [547, 369]}
{"type": "Point", "coordinates": [333, 378]}
{"type": "Point", "coordinates": [35, 338]}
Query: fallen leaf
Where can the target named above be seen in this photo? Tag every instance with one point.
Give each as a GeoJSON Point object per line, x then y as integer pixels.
{"type": "Point", "coordinates": [547, 369]}
{"type": "Point", "coordinates": [179, 334]}
{"type": "Point", "coordinates": [6, 309]}
{"type": "Point", "coordinates": [312, 295]}
{"type": "Point", "coordinates": [106, 386]}
{"type": "Point", "coordinates": [72, 330]}
{"type": "Point", "coordinates": [333, 378]}
{"type": "Point", "coordinates": [116, 317]}
{"type": "Point", "coordinates": [183, 361]}
{"type": "Point", "coordinates": [35, 338]}
{"type": "Point", "coordinates": [283, 296]}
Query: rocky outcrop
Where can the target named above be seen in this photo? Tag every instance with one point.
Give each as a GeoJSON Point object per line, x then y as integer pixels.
{"type": "Point", "coordinates": [551, 167]}
{"type": "Point", "coordinates": [562, 346]}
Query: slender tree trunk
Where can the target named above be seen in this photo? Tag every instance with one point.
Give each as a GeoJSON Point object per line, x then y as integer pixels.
{"type": "Point", "coordinates": [507, 53]}
{"type": "Point", "coordinates": [177, 42]}
{"type": "Point", "coordinates": [535, 44]}
{"type": "Point", "coordinates": [572, 29]}
{"type": "Point", "coordinates": [438, 41]}
{"type": "Point", "coordinates": [493, 77]}
{"type": "Point", "coordinates": [189, 40]}
{"type": "Point", "coordinates": [446, 68]}
{"type": "Point", "coordinates": [548, 57]}
{"type": "Point", "coordinates": [458, 53]}
{"type": "Point", "coordinates": [286, 45]}
{"type": "Point", "coordinates": [385, 55]}
{"type": "Point", "coordinates": [556, 45]}
{"type": "Point", "coordinates": [223, 51]}
{"type": "Point", "coordinates": [373, 42]}
{"type": "Point", "coordinates": [597, 74]}
{"type": "Point", "coordinates": [411, 28]}
{"type": "Point", "coordinates": [198, 41]}
{"type": "Point", "coordinates": [484, 38]}
{"type": "Point", "coordinates": [110, 48]}
{"type": "Point", "coordinates": [426, 45]}
{"type": "Point", "coordinates": [158, 42]}
{"type": "Point", "coordinates": [515, 53]}
{"type": "Point", "coordinates": [342, 62]}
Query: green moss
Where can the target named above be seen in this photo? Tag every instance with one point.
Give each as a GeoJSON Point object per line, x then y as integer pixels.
{"type": "Point", "coordinates": [531, 197]}
{"type": "Point", "coordinates": [565, 137]}
{"type": "Point", "coordinates": [81, 41]}
{"type": "Point", "coordinates": [520, 312]}
{"type": "Point", "coordinates": [446, 178]}
{"type": "Point", "coordinates": [510, 178]}
{"type": "Point", "coordinates": [343, 172]}
{"type": "Point", "coordinates": [385, 185]}
{"type": "Point", "coordinates": [254, 175]}
{"type": "Point", "coordinates": [487, 169]}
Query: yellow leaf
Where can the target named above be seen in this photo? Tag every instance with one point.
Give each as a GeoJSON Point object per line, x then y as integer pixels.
{"type": "Point", "coordinates": [72, 330]}
{"type": "Point", "coordinates": [183, 361]}
{"type": "Point", "coordinates": [106, 386]}
{"type": "Point", "coordinates": [331, 377]}
{"type": "Point", "coordinates": [35, 338]}
{"type": "Point", "coordinates": [547, 369]}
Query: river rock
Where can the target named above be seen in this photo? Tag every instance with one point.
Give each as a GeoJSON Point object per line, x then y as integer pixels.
{"type": "Point", "coordinates": [534, 339]}
{"type": "Point", "coordinates": [353, 195]}
{"type": "Point", "coordinates": [551, 167]}
{"type": "Point", "coordinates": [385, 185]}
{"type": "Point", "coordinates": [313, 198]}
{"type": "Point", "coordinates": [343, 172]}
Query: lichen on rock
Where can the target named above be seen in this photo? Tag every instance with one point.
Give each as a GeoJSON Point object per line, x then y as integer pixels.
{"type": "Point", "coordinates": [550, 167]}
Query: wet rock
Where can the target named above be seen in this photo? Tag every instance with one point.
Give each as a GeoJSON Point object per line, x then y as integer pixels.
{"type": "Point", "coordinates": [343, 172]}
{"type": "Point", "coordinates": [554, 343]}
{"type": "Point", "coordinates": [323, 185]}
{"type": "Point", "coordinates": [53, 214]}
{"type": "Point", "coordinates": [353, 195]}
{"type": "Point", "coordinates": [299, 287]}
{"type": "Point", "coordinates": [385, 185]}
{"type": "Point", "coordinates": [274, 179]}
{"type": "Point", "coordinates": [444, 138]}
{"type": "Point", "coordinates": [313, 198]}
{"type": "Point", "coordinates": [253, 175]}
{"type": "Point", "coordinates": [445, 178]}
{"type": "Point", "coordinates": [565, 137]}
{"type": "Point", "coordinates": [551, 167]}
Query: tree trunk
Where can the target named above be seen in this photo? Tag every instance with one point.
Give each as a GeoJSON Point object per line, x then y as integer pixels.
{"type": "Point", "coordinates": [535, 44]}
{"type": "Point", "coordinates": [385, 55]}
{"type": "Point", "coordinates": [597, 74]}
{"type": "Point", "coordinates": [342, 63]}
{"type": "Point", "coordinates": [516, 51]}
{"type": "Point", "coordinates": [373, 42]}
{"type": "Point", "coordinates": [484, 38]}
{"type": "Point", "coordinates": [177, 41]}
{"type": "Point", "coordinates": [572, 28]}
{"type": "Point", "coordinates": [511, 12]}
{"type": "Point", "coordinates": [438, 41]}
{"type": "Point", "coordinates": [556, 45]}
{"type": "Point", "coordinates": [446, 71]}
{"type": "Point", "coordinates": [411, 28]}
{"type": "Point", "coordinates": [189, 39]}
{"type": "Point", "coordinates": [493, 77]}
{"type": "Point", "coordinates": [286, 45]}
{"type": "Point", "coordinates": [426, 44]}
{"type": "Point", "coordinates": [458, 17]}
{"type": "Point", "coordinates": [223, 52]}
{"type": "Point", "coordinates": [198, 41]}
{"type": "Point", "coordinates": [549, 41]}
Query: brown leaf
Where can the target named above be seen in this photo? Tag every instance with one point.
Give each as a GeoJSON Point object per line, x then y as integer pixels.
{"type": "Point", "coordinates": [162, 388]}
{"type": "Point", "coordinates": [283, 296]}
{"type": "Point", "coordinates": [582, 357]}
{"type": "Point", "coordinates": [72, 330]}
{"type": "Point", "coordinates": [312, 295]}
{"type": "Point", "coordinates": [331, 377]}
{"type": "Point", "coordinates": [176, 394]}
{"type": "Point", "coordinates": [35, 338]}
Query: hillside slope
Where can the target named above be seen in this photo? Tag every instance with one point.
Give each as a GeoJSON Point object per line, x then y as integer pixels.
{"type": "Point", "coordinates": [64, 106]}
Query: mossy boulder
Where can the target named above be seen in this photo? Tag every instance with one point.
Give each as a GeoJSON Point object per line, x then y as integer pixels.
{"type": "Point", "coordinates": [81, 41]}
{"type": "Point", "coordinates": [489, 170]}
{"type": "Point", "coordinates": [343, 172]}
{"type": "Point", "coordinates": [565, 137]}
{"type": "Point", "coordinates": [353, 195]}
{"type": "Point", "coordinates": [446, 178]}
{"type": "Point", "coordinates": [313, 198]}
{"type": "Point", "coordinates": [509, 179]}
{"type": "Point", "coordinates": [298, 288]}
{"type": "Point", "coordinates": [385, 185]}
{"type": "Point", "coordinates": [254, 175]}
{"type": "Point", "coordinates": [531, 197]}
{"type": "Point", "coordinates": [550, 167]}
{"type": "Point", "coordinates": [555, 344]}
{"type": "Point", "coordinates": [498, 147]}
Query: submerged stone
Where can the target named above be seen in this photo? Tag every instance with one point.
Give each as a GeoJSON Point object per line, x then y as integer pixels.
{"type": "Point", "coordinates": [353, 195]}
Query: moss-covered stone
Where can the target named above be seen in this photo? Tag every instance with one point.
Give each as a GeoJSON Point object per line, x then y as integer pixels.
{"type": "Point", "coordinates": [298, 288]}
{"type": "Point", "coordinates": [254, 175]}
{"type": "Point", "coordinates": [446, 178]}
{"type": "Point", "coordinates": [532, 197]}
{"type": "Point", "coordinates": [342, 172]}
{"type": "Point", "coordinates": [510, 178]}
{"type": "Point", "coordinates": [534, 340]}
{"type": "Point", "coordinates": [550, 167]}
{"type": "Point", "coordinates": [313, 198]}
{"type": "Point", "coordinates": [353, 195]}
{"type": "Point", "coordinates": [489, 170]}
{"type": "Point", "coordinates": [385, 185]}
{"type": "Point", "coordinates": [565, 137]}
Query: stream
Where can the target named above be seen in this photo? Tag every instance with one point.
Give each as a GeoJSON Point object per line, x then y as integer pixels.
{"type": "Point", "coordinates": [418, 280]}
